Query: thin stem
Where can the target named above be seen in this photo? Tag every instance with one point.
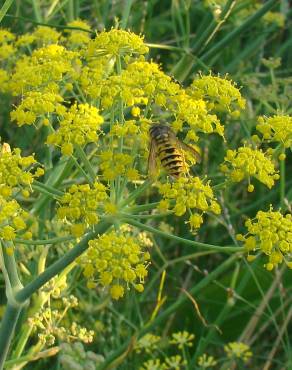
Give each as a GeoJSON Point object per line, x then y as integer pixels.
{"type": "Point", "coordinates": [136, 193]}
{"type": "Point", "coordinates": [57, 240]}
{"type": "Point", "coordinates": [85, 161]}
{"type": "Point", "coordinates": [5, 8]}
{"type": "Point", "coordinates": [143, 207]}
{"type": "Point", "coordinates": [63, 262]}
{"type": "Point", "coordinates": [282, 181]}
{"type": "Point", "coordinates": [139, 225]}
{"type": "Point", "coordinates": [37, 11]}
{"type": "Point", "coordinates": [46, 189]}
{"type": "Point", "coordinates": [126, 13]}
{"type": "Point", "coordinates": [11, 268]}
{"type": "Point", "coordinates": [8, 324]}
{"type": "Point", "coordinates": [70, 10]}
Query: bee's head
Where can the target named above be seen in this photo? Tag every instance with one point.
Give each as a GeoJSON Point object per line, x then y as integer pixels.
{"type": "Point", "coordinates": [158, 129]}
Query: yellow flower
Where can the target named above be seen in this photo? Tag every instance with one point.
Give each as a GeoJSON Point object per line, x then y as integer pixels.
{"type": "Point", "coordinates": [271, 233]}
{"type": "Point", "coordinates": [12, 219]}
{"type": "Point", "coordinates": [113, 165]}
{"type": "Point", "coordinates": [6, 47]}
{"type": "Point", "coordinates": [43, 69]}
{"type": "Point", "coordinates": [79, 206]}
{"type": "Point", "coordinates": [246, 162]}
{"type": "Point", "coordinates": [151, 365]}
{"type": "Point", "coordinates": [221, 94]}
{"type": "Point", "coordinates": [78, 37]}
{"type": "Point", "coordinates": [14, 172]}
{"type": "Point", "coordinates": [46, 35]}
{"type": "Point", "coordinates": [182, 338]}
{"type": "Point", "coordinates": [34, 105]}
{"type": "Point", "coordinates": [174, 362]}
{"type": "Point", "coordinates": [117, 291]}
{"type": "Point", "coordinates": [117, 42]}
{"type": "Point", "coordinates": [238, 350]}
{"type": "Point", "coordinates": [148, 343]}
{"type": "Point", "coordinates": [4, 77]}
{"type": "Point", "coordinates": [276, 129]}
{"type": "Point", "coordinates": [188, 192]}
{"type": "Point", "coordinates": [205, 361]}
{"type": "Point", "coordinates": [116, 261]}
{"type": "Point", "coordinates": [78, 126]}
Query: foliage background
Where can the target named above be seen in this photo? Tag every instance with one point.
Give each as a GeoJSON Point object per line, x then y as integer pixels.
{"type": "Point", "coordinates": [246, 302]}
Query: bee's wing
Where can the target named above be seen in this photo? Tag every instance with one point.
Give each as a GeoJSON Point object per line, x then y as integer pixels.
{"type": "Point", "coordinates": [186, 147]}
{"type": "Point", "coordinates": [191, 150]}
{"type": "Point", "coordinates": [152, 160]}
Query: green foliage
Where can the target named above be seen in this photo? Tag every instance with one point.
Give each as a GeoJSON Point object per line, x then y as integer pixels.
{"type": "Point", "coordinates": [102, 268]}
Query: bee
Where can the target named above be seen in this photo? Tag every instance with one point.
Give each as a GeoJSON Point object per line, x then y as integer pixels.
{"type": "Point", "coordinates": [169, 150]}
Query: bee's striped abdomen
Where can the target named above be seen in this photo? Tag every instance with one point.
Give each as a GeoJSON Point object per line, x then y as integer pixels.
{"type": "Point", "coordinates": [171, 157]}
{"type": "Point", "coordinates": [167, 149]}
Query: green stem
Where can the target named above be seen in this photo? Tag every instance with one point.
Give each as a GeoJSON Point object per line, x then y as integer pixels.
{"type": "Point", "coordinates": [70, 10]}
{"type": "Point", "coordinates": [58, 26]}
{"type": "Point", "coordinates": [81, 170]}
{"type": "Point", "coordinates": [62, 263]}
{"type": "Point", "coordinates": [46, 189]}
{"type": "Point", "coordinates": [36, 9]}
{"type": "Point", "coordinates": [126, 13]}
{"type": "Point", "coordinates": [143, 207]}
{"type": "Point", "coordinates": [5, 8]}
{"type": "Point", "coordinates": [282, 182]}
{"type": "Point", "coordinates": [136, 193]}
{"type": "Point", "coordinates": [13, 309]}
{"type": "Point", "coordinates": [11, 268]}
{"type": "Point", "coordinates": [61, 171]}
{"type": "Point", "coordinates": [192, 243]}
{"type": "Point", "coordinates": [118, 190]}
{"type": "Point", "coordinates": [172, 308]}
{"type": "Point", "coordinates": [8, 324]}
{"type": "Point", "coordinates": [85, 161]}
{"type": "Point", "coordinates": [57, 240]}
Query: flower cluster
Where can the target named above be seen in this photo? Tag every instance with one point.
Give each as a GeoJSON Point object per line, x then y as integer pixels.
{"type": "Point", "coordinates": [47, 322]}
{"type": "Point", "coordinates": [80, 204]}
{"type": "Point", "coordinates": [276, 129]}
{"type": "Point", "coordinates": [46, 67]}
{"type": "Point", "coordinates": [115, 260]}
{"type": "Point", "coordinates": [148, 343]}
{"type": "Point", "coordinates": [6, 47]}
{"type": "Point", "coordinates": [16, 172]}
{"type": "Point", "coordinates": [246, 162]}
{"type": "Point", "coordinates": [238, 350]}
{"type": "Point", "coordinates": [35, 105]}
{"type": "Point", "coordinates": [182, 339]}
{"type": "Point", "coordinates": [221, 94]}
{"type": "Point", "coordinates": [117, 42]}
{"type": "Point", "coordinates": [77, 37]}
{"type": "Point", "coordinates": [194, 112]}
{"type": "Point", "coordinates": [45, 35]}
{"type": "Point", "coordinates": [271, 233]}
{"type": "Point", "coordinates": [13, 219]}
{"type": "Point", "coordinates": [173, 362]}
{"type": "Point", "coordinates": [78, 126]}
{"type": "Point", "coordinates": [206, 361]}
{"type": "Point", "coordinates": [151, 365]}
{"type": "Point", "coordinates": [188, 193]}
{"type": "Point", "coordinates": [113, 165]}
{"type": "Point", "coordinates": [140, 83]}
{"type": "Point", "coordinates": [170, 363]}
